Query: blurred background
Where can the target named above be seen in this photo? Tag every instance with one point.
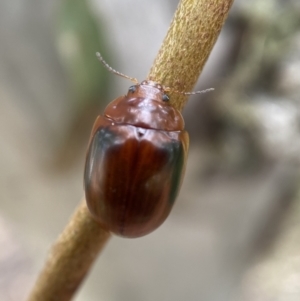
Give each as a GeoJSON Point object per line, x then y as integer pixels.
{"type": "Point", "coordinates": [234, 233]}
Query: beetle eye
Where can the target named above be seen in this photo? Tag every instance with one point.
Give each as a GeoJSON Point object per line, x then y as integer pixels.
{"type": "Point", "coordinates": [132, 89]}
{"type": "Point", "coordinates": [165, 98]}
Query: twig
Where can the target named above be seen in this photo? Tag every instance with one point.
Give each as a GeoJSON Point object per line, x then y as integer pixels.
{"type": "Point", "coordinates": [193, 32]}
{"type": "Point", "coordinates": [191, 36]}
{"type": "Point", "coordinates": [70, 258]}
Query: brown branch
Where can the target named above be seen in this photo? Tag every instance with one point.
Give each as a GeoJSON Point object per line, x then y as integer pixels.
{"type": "Point", "coordinates": [192, 34]}
{"type": "Point", "coordinates": [70, 258]}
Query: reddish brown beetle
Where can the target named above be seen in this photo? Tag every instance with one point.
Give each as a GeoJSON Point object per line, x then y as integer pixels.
{"type": "Point", "coordinates": [135, 160]}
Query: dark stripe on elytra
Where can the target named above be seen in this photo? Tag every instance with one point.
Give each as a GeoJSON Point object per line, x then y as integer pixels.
{"type": "Point", "coordinates": [177, 161]}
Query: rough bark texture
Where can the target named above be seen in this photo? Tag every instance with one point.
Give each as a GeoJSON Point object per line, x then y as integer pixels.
{"type": "Point", "coordinates": [70, 258]}
{"type": "Point", "coordinates": [189, 41]}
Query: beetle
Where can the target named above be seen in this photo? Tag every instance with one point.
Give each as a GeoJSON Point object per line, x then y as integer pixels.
{"type": "Point", "coordinates": [135, 160]}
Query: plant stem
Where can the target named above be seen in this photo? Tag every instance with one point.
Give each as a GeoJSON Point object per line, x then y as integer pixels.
{"type": "Point", "coordinates": [188, 43]}
{"type": "Point", "coordinates": [70, 258]}
{"type": "Point", "coordinates": [193, 32]}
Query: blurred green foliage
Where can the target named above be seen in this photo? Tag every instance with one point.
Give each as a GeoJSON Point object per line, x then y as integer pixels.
{"type": "Point", "coordinates": [80, 36]}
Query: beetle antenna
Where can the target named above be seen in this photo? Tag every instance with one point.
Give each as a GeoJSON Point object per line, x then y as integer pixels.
{"type": "Point", "coordinates": [100, 58]}
{"type": "Point", "coordinates": [189, 93]}
{"type": "Point", "coordinates": [196, 92]}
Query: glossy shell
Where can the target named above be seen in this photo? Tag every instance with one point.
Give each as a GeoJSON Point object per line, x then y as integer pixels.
{"type": "Point", "coordinates": [135, 162]}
